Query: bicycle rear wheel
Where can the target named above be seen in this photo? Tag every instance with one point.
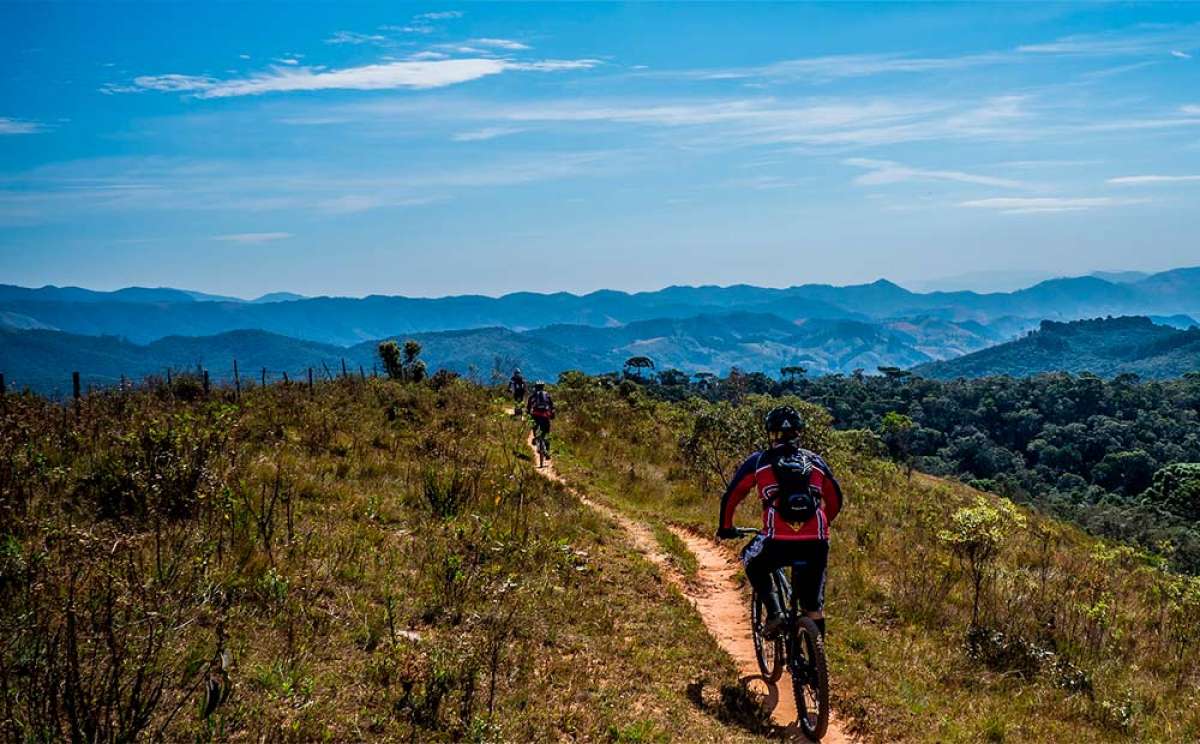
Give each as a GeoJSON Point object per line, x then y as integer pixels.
{"type": "Point", "coordinates": [767, 651]}
{"type": "Point", "coordinates": [810, 678]}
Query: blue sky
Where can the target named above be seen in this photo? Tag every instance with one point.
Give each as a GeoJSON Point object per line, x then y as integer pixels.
{"type": "Point", "coordinates": [485, 148]}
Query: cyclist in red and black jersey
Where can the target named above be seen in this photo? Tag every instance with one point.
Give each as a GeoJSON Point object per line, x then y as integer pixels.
{"type": "Point", "coordinates": [786, 538]}
{"type": "Point", "coordinates": [541, 407]}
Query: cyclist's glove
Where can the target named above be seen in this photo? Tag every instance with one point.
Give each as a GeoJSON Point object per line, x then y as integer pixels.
{"type": "Point", "coordinates": [727, 533]}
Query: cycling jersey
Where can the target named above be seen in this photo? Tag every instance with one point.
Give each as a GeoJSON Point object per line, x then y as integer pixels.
{"type": "Point", "coordinates": [756, 471]}
{"type": "Point", "coordinates": [540, 405]}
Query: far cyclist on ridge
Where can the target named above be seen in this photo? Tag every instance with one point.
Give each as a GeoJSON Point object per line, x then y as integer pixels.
{"type": "Point", "coordinates": [541, 408]}
{"type": "Point", "coordinates": [800, 498]}
{"type": "Point", "coordinates": [516, 386]}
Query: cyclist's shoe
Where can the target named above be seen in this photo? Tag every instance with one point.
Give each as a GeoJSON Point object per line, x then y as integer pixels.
{"type": "Point", "coordinates": [773, 626]}
{"type": "Point", "coordinates": [775, 616]}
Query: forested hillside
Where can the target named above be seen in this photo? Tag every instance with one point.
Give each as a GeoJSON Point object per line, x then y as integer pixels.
{"type": "Point", "coordinates": [1110, 455]}
{"type": "Point", "coordinates": [1104, 346]}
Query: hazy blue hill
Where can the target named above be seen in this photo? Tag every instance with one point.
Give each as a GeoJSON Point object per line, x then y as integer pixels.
{"type": "Point", "coordinates": [753, 342]}
{"type": "Point", "coordinates": [50, 293]}
{"type": "Point", "coordinates": [278, 297]}
{"type": "Point", "coordinates": [1104, 346]}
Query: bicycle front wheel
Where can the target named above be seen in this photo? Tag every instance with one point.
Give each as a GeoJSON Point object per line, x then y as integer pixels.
{"type": "Point", "coordinates": [810, 678]}
{"type": "Point", "coordinates": [767, 651]}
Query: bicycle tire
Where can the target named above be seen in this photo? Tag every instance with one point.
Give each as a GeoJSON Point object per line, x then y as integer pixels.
{"type": "Point", "coordinates": [810, 674]}
{"type": "Point", "coordinates": [768, 653]}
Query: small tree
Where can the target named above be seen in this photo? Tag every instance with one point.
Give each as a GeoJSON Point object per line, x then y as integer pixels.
{"type": "Point", "coordinates": [793, 374]}
{"type": "Point", "coordinates": [404, 366]}
{"type": "Point", "coordinates": [975, 535]}
{"type": "Point", "coordinates": [639, 364]}
{"type": "Point", "coordinates": [389, 354]}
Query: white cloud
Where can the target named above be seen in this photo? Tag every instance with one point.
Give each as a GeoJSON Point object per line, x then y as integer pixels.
{"type": "Point", "coordinates": [1190, 110]}
{"type": "Point", "coordinates": [1043, 205]}
{"type": "Point", "coordinates": [18, 126]}
{"type": "Point", "coordinates": [499, 44]}
{"type": "Point", "coordinates": [839, 66]}
{"type": "Point", "coordinates": [353, 37]}
{"type": "Point", "coordinates": [443, 15]}
{"type": "Point", "coordinates": [243, 56]}
{"type": "Point", "coordinates": [882, 172]}
{"type": "Point", "coordinates": [1180, 55]}
{"type": "Point", "coordinates": [288, 61]}
{"type": "Point", "coordinates": [253, 238]}
{"type": "Point", "coordinates": [487, 133]}
{"type": "Point", "coordinates": [1143, 41]}
{"type": "Point", "coordinates": [725, 123]}
{"type": "Point", "coordinates": [412, 74]}
{"type": "Point", "coordinates": [1140, 180]}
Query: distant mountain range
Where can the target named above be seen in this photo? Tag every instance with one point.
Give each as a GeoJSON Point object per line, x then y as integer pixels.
{"type": "Point", "coordinates": [43, 359]}
{"type": "Point", "coordinates": [144, 315]}
{"type": "Point", "coordinates": [46, 333]}
{"type": "Point", "coordinates": [1105, 346]}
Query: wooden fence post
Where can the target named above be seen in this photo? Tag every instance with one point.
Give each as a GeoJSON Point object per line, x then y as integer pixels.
{"type": "Point", "coordinates": [168, 377]}
{"type": "Point", "coordinates": [237, 382]}
{"type": "Point", "coordinates": [206, 382]}
{"type": "Point", "coordinates": [344, 375]}
{"type": "Point", "coordinates": [362, 373]}
{"type": "Point", "coordinates": [3, 389]}
{"type": "Point", "coordinates": [264, 377]}
{"type": "Point", "coordinates": [310, 381]}
{"type": "Point", "coordinates": [285, 378]}
{"type": "Point", "coordinates": [75, 384]}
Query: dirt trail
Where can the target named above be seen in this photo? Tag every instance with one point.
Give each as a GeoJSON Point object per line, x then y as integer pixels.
{"type": "Point", "coordinates": [717, 598]}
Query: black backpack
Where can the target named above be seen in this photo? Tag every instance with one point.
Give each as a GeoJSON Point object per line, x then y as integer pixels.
{"type": "Point", "coordinates": [799, 491]}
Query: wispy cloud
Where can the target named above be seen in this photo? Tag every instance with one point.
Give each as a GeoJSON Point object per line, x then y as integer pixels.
{"type": "Point", "coordinates": [1143, 180]}
{"type": "Point", "coordinates": [508, 44]}
{"type": "Point", "coordinates": [882, 172]}
{"type": "Point", "coordinates": [442, 15]}
{"type": "Point", "coordinates": [1127, 42]}
{"type": "Point", "coordinates": [411, 74]}
{"type": "Point", "coordinates": [19, 126]}
{"type": "Point", "coordinates": [1180, 55]}
{"type": "Point", "coordinates": [353, 37]}
{"type": "Point", "coordinates": [837, 66]}
{"type": "Point", "coordinates": [1045, 205]}
{"type": "Point", "coordinates": [726, 123]}
{"type": "Point", "coordinates": [253, 238]}
{"type": "Point", "coordinates": [487, 133]}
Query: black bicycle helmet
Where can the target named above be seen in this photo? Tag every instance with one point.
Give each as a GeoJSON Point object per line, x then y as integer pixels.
{"type": "Point", "coordinates": [784, 420]}
{"type": "Point", "coordinates": [539, 385]}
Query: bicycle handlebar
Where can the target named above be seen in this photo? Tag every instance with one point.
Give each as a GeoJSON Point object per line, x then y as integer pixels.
{"type": "Point", "coordinates": [747, 531]}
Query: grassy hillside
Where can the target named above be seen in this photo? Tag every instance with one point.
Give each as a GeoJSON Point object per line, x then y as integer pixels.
{"type": "Point", "coordinates": [1076, 639]}
{"type": "Point", "coordinates": [372, 561]}
{"type": "Point", "coordinates": [1104, 346]}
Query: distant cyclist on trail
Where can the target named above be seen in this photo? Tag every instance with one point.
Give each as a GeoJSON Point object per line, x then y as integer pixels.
{"type": "Point", "coordinates": [516, 386]}
{"type": "Point", "coordinates": [541, 408]}
{"type": "Point", "coordinates": [800, 498]}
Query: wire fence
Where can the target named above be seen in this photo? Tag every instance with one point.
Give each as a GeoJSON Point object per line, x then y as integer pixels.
{"type": "Point", "coordinates": [235, 378]}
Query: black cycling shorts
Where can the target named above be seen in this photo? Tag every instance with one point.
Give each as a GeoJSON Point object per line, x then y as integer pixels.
{"type": "Point", "coordinates": [542, 423]}
{"type": "Point", "coordinates": [762, 556]}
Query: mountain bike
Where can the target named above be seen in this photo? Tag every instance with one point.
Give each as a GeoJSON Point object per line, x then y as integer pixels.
{"type": "Point", "coordinates": [798, 647]}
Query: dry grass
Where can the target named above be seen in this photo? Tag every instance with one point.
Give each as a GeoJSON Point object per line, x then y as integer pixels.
{"type": "Point", "coordinates": [372, 561]}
